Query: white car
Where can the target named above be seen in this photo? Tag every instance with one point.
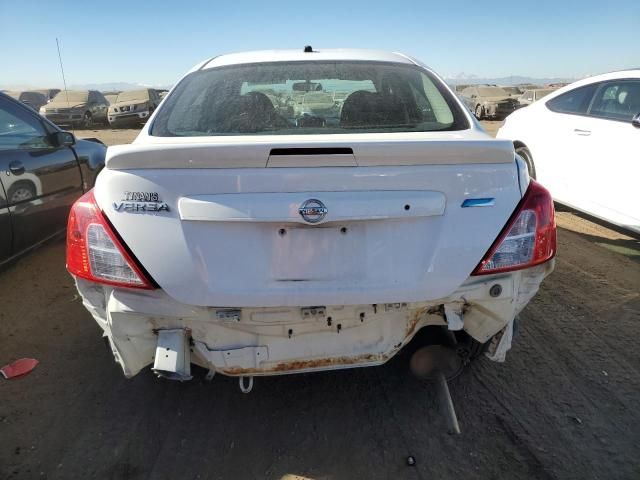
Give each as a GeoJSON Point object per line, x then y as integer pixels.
{"type": "Point", "coordinates": [583, 143]}
{"type": "Point", "coordinates": [251, 238]}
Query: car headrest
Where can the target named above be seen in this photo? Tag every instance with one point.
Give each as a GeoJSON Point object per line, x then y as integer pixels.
{"type": "Point", "coordinates": [368, 109]}
{"type": "Point", "coordinates": [247, 113]}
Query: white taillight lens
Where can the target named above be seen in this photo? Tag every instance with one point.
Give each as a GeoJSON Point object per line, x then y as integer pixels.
{"type": "Point", "coordinates": [517, 246]}
{"type": "Point", "coordinates": [94, 251]}
{"type": "Point", "coordinates": [105, 259]}
{"type": "Point", "coordinates": [529, 237]}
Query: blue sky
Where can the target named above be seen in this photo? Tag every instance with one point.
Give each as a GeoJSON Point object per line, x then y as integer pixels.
{"type": "Point", "coordinates": [155, 42]}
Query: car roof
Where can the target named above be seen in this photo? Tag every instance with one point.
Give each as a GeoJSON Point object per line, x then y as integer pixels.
{"type": "Point", "coordinates": [632, 73]}
{"type": "Point", "coordinates": [299, 55]}
{"type": "Point", "coordinates": [619, 74]}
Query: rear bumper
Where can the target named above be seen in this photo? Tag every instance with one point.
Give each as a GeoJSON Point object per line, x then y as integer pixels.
{"type": "Point", "coordinates": [272, 341]}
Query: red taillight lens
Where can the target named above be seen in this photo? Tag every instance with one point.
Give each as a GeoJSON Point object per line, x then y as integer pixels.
{"type": "Point", "coordinates": [529, 237]}
{"type": "Point", "coordinates": [95, 253]}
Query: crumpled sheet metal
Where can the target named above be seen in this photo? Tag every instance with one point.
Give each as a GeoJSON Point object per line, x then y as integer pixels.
{"type": "Point", "coordinates": [501, 344]}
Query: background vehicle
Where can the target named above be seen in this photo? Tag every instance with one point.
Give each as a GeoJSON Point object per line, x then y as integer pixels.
{"type": "Point", "coordinates": [488, 101]}
{"type": "Point", "coordinates": [81, 108]}
{"type": "Point", "coordinates": [133, 107]}
{"type": "Point", "coordinates": [583, 143]}
{"type": "Point", "coordinates": [50, 93]}
{"type": "Point", "coordinates": [513, 91]}
{"type": "Point", "coordinates": [533, 95]}
{"type": "Point", "coordinates": [33, 99]}
{"type": "Point", "coordinates": [44, 170]}
{"type": "Point", "coordinates": [315, 231]}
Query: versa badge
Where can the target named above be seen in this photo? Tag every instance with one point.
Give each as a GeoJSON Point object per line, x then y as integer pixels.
{"type": "Point", "coordinates": [140, 202]}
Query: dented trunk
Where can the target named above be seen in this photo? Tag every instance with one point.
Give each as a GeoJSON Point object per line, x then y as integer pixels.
{"type": "Point", "coordinates": [406, 227]}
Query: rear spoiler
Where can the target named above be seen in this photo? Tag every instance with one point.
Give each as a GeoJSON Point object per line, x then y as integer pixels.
{"type": "Point", "coordinates": [350, 151]}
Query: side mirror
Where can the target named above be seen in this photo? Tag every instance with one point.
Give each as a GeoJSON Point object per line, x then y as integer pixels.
{"type": "Point", "coordinates": [62, 139]}
{"type": "Point", "coordinates": [635, 121]}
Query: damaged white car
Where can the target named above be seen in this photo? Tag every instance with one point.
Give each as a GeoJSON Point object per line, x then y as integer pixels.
{"type": "Point", "coordinates": [299, 211]}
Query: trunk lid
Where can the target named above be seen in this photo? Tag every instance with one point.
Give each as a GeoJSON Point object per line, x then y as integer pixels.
{"type": "Point", "coordinates": [394, 228]}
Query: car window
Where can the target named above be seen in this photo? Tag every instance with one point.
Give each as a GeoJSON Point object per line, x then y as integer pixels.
{"type": "Point", "coordinates": [19, 130]}
{"type": "Point", "coordinates": [617, 100]}
{"type": "Point", "coordinates": [308, 98]}
{"type": "Point", "coordinates": [575, 101]}
{"type": "Point", "coordinates": [529, 96]}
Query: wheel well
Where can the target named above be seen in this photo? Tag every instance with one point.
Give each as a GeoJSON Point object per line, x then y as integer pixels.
{"type": "Point", "coordinates": [529, 161]}
{"type": "Point", "coordinates": [21, 183]}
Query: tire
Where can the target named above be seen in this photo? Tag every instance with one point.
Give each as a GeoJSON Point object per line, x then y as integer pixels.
{"type": "Point", "coordinates": [479, 113]}
{"type": "Point", "coordinates": [87, 121]}
{"type": "Point", "coordinates": [528, 158]}
{"type": "Point", "coordinates": [21, 192]}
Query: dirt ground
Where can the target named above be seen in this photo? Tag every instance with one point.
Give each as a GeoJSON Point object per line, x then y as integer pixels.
{"type": "Point", "coordinates": [563, 406]}
{"type": "Point", "coordinates": [110, 136]}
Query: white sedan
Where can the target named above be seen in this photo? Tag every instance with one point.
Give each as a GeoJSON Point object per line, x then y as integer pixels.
{"type": "Point", "coordinates": [582, 142]}
{"type": "Point", "coordinates": [297, 211]}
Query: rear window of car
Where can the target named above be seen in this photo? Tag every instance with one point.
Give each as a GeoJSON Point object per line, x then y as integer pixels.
{"type": "Point", "coordinates": [308, 98]}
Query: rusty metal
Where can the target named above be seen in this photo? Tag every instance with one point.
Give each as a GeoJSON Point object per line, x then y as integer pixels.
{"type": "Point", "coordinates": [413, 322]}
{"type": "Point", "coordinates": [293, 366]}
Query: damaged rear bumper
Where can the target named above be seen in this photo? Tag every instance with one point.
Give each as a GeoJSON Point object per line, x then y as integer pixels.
{"type": "Point", "coordinates": [271, 341]}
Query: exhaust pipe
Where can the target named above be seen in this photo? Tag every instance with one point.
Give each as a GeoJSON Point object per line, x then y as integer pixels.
{"type": "Point", "coordinates": [173, 357]}
{"type": "Point", "coordinates": [437, 363]}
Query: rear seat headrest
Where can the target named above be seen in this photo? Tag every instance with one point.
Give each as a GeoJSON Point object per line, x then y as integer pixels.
{"type": "Point", "coordinates": [363, 109]}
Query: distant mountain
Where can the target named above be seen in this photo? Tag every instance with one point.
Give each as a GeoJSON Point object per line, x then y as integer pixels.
{"type": "Point", "coordinates": [470, 79]}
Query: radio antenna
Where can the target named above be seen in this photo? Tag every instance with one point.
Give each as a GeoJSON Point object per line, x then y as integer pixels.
{"type": "Point", "coordinates": [64, 80]}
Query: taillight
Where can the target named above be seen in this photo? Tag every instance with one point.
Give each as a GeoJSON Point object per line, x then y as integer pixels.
{"type": "Point", "coordinates": [529, 237]}
{"type": "Point", "coordinates": [94, 251]}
